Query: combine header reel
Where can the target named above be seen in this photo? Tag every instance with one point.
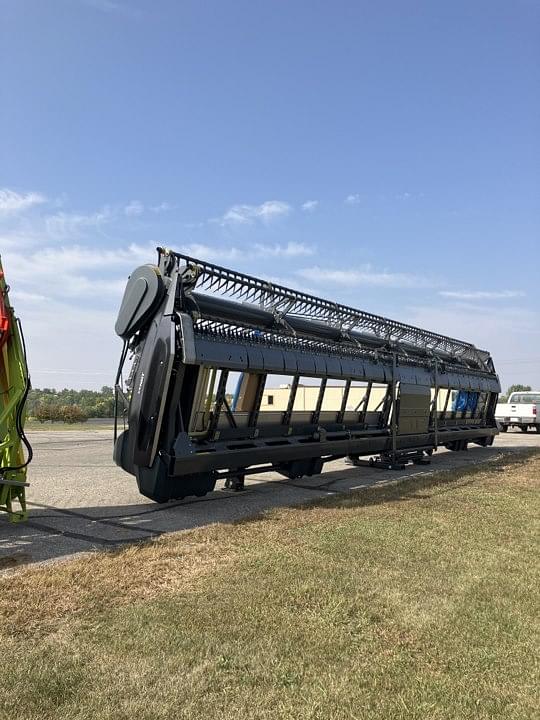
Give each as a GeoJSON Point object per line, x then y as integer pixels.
{"type": "Point", "coordinates": [14, 388]}
{"type": "Point", "coordinates": [191, 325]}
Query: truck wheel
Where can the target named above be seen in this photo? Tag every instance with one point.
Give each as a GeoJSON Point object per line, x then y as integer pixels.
{"type": "Point", "coordinates": [537, 428]}
{"type": "Point", "coordinates": [524, 428]}
{"type": "Point", "coordinates": [504, 428]}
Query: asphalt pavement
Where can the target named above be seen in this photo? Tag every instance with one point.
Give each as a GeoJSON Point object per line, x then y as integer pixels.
{"type": "Point", "coordinates": [79, 501]}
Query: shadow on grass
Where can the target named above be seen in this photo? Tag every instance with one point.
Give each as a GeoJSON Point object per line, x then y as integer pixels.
{"type": "Point", "coordinates": [415, 486]}
{"type": "Point", "coordinates": [53, 532]}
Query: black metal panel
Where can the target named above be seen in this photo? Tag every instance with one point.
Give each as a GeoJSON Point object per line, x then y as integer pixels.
{"type": "Point", "coordinates": [454, 380]}
{"type": "Point", "coordinates": [290, 365]}
{"type": "Point", "coordinates": [321, 366]}
{"type": "Point", "coordinates": [406, 374]}
{"type": "Point", "coordinates": [273, 361]}
{"type": "Point", "coordinates": [425, 377]}
{"type": "Point", "coordinates": [377, 372]}
{"type": "Point", "coordinates": [333, 367]}
{"type": "Point", "coordinates": [226, 355]}
{"type": "Point", "coordinates": [414, 408]}
{"type": "Point", "coordinates": [358, 369]}
{"type": "Point", "coordinates": [306, 364]}
{"type": "Point", "coordinates": [347, 367]}
{"type": "Point", "coordinates": [255, 358]}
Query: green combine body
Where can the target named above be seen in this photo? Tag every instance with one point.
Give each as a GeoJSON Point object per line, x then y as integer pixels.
{"type": "Point", "coordinates": [14, 388]}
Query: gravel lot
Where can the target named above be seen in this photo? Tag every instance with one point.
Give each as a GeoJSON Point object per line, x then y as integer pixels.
{"type": "Point", "coordinates": [80, 501]}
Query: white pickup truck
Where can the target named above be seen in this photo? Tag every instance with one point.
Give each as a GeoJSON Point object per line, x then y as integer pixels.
{"type": "Point", "coordinates": [522, 410]}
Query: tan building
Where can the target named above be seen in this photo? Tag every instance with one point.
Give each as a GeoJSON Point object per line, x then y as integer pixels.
{"type": "Point", "coordinates": [306, 397]}
{"type": "Point", "coordinates": [276, 398]}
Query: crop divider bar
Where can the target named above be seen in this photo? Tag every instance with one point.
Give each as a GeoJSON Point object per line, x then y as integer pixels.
{"type": "Point", "coordinates": [220, 397]}
{"type": "Point", "coordinates": [228, 412]}
{"type": "Point", "coordinates": [254, 415]}
{"type": "Point", "coordinates": [317, 412]}
{"type": "Point", "coordinates": [434, 414]}
{"type": "Point", "coordinates": [364, 403]}
{"type": "Point", "coordinates": [346, 390]}
{"type": "Point", "coordinates": [292, 396]}
{"type": "Point", "coordinates": [393, 407]}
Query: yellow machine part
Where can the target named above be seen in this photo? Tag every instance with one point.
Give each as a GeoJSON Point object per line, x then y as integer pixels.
{"type": "Point", "coordinates": [14, 388]}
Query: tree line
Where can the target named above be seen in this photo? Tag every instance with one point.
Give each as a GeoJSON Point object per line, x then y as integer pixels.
{"type": "Point", "coordinates": [71, 406]}
{"type": "Point", "coordinates": [512, 389]}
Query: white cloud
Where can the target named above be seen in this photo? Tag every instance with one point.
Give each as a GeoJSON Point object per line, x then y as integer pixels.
{"type": "Point", "coordinates": [291, 249]}
{"type": "Point", "coordinates": [310, 205]}
{"type": "Point", "coordinates": [258, 250]}
{"type": "Point", "coordinates": [113, 6]}
{"type": "Point", "coordinates": [481, 294]}
{"type": "Point", "coordinates": [84, 352]}
{"type": "Point", "coordinates": [354, 199]}
{"type": "Point", "coordinates": [64, 226]}
{"type": "Point", "coordinates": [409, 196]}
{"type": "Point", "coordinates": [248, 214]}
{"type": "Point", "coordinates": [74, 269]}
{"type": "Point", "coordinates": [20, 239]}
{"type": "Point", "coordinates": [77, 257]}
{"type": "Point", "coordinates": [212, 254]}
{"type": "Point", "coordinates": [222, 254]}
{"type": "Point", "coordinates": [162, 207]}
{"type": "Point", "coordinates": [28, 297]}
{"type": "Point", "coordinates": [12, 202]}
{"type": "Point", "coordinates": [134, 208]}
{"type": "Point", "coordinates": [80, 286]}
{"type": "Point", "coordinates": [365, 275]}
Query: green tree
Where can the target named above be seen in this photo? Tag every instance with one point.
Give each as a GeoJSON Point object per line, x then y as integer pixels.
{"type": "Point", "coordinates": [93, 403]}
{"type": "Point", "coordinates": [72, 414]}
{"type": "Point", "coordinates": [42, 412]}
{"type": "Point", "coordinates": [514, 388]}
{"type": "Point", "coordinates": [47, 412]}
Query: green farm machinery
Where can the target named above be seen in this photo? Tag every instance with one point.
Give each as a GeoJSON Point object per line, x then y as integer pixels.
{"type": "Point", "coordinates": [15, 450]}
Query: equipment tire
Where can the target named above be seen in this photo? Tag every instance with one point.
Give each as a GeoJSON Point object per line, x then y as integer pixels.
{"type": "Point", "coordinates": [524, 428]}
{"type": "Point", "coordinates": [504, 428]}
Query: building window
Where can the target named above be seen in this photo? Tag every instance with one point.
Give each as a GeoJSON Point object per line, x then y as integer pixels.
{"type": "Point", "coordinates": [270, 399]}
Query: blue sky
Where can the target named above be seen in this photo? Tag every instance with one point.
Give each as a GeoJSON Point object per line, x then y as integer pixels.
{"type": "Point", "coordinates": [382, 154]}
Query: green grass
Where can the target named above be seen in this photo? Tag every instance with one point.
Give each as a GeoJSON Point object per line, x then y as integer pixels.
{"type": "Point", "coordinates": [34, 425]}
{"type": "Point", "coordinates": [415, 600]}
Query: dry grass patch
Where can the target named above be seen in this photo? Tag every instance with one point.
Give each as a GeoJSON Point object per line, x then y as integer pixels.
{"type": "Point", "coordinates": [35, 599]}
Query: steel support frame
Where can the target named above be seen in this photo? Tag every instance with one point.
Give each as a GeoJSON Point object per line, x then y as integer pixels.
{"type": "Point", "coordinates": [227, 455]}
